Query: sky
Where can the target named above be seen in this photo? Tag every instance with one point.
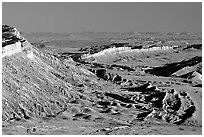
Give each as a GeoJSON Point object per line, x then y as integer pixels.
{"type": "Point", "coordinates": [68, 17]}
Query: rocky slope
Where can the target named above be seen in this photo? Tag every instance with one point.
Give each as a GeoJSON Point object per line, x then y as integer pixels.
{"type": "Point", "coordinates": [39, 84]}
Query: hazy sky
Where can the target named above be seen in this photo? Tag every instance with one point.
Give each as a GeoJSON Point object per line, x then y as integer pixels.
{"type": "Point", "coordinates": [103, 17]}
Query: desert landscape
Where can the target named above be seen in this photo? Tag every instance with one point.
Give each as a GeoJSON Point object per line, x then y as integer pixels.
{"type": "Point", "coordinates": [101, 83]}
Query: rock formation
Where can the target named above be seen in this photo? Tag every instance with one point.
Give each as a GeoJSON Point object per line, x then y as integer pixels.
{"type": "Point", "coordinates": [12, 41]}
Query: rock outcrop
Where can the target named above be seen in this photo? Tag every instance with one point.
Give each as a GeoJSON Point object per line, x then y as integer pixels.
{"type": "Point", "coordinates": [178, 106]}
{"type": "Point", "coordinates": [170, 105]}
{"type": "Point", "coordinates": [12, 41]}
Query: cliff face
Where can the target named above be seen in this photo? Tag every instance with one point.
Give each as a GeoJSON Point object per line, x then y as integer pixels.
{"type": "Point", "coordinates": [12, 41]}
{"type": "Point", "coordinates": [126, 50]}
